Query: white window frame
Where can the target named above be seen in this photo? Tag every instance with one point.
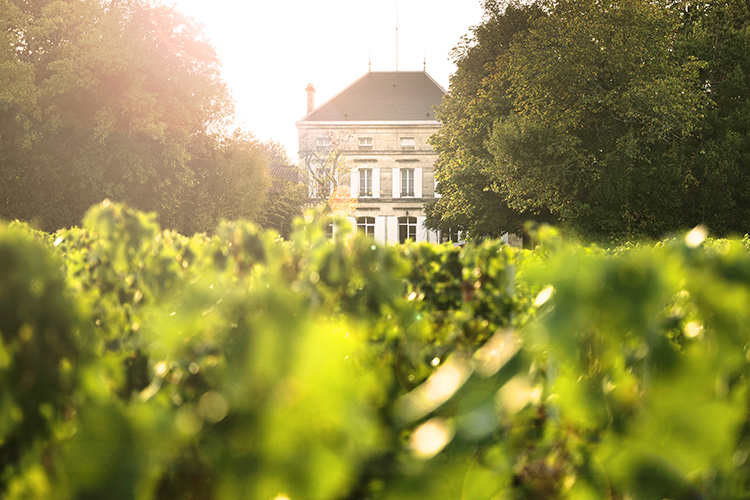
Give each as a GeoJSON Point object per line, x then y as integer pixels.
{"type": "Point", "coordinates": [355, 181]}
{"type": "Point", "coordinates": [407, 182]}
{"type": "Point", "coordinates": [364, 142]}
{"type": "Point", "coordinates": [407, 229]}
{"type": "Point", "coordinates": [366, 225]}
{"type": "Point", "coordinates": [323, 142]}
{"type": "Point", "coordinates": [365, 182]}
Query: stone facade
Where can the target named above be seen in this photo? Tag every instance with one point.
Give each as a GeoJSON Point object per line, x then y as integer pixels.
{"type": "Point", "coordinates": [380, 125]}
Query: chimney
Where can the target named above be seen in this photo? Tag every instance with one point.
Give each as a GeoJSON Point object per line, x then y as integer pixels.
{"type": "Point", "coordinates": [310, 97]}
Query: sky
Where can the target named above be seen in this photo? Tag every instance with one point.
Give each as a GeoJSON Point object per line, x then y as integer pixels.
{"type": "Point", "coordinates": [271, 49]}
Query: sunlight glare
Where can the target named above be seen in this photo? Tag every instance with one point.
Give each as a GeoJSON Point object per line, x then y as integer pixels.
{"type": "Point", "coordinates": [544, 296]}
{"type": "Point", "coordinates": [693, 329]}
{"type": "Point", "coordinates": [696, 236]}
{"type": "Point", "coordinates": [496, 352]}
{"type": "Point", "coordinates": [517, 393]}
{"type": "Point", "coordinates": [435, 391]}
{"type": "Point", "coordinates": [443, 383]}
{"type": "Point", "coordinates": [430, 438]}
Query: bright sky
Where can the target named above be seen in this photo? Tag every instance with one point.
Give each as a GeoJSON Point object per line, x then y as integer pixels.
{"type": "Point", "coordinates": [271, 49]}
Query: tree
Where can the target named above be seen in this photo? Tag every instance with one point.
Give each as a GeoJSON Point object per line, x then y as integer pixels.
{"type": "Point", "coordinates": [323, 167]}
{"type": "Point", "coordinates": [622, 119]}
{"type": "Point", "coordinates": [601, 111]}
{"type": "Point", "coordinates": [467, 114]}
{"type": "Point", "coordinates": [287, 194]}
{"type": "Point", "coordinates": [719, 34]}
{"type": "Point", "coordinates": [231, 181]}
{"type": "Point", "coordinates": [119, 100]}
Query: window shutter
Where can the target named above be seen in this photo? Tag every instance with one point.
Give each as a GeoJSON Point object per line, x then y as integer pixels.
{"type": "Point", "coordinates": [418, 182]}
{"type": "Point", "coordinates": [396, 185]}
{"type": "Point", "coordinates": [392, 227]}
{"type": "Point", "coordinates": [380, 222]}
{"type": "Point", "coordinates": [375, 182]}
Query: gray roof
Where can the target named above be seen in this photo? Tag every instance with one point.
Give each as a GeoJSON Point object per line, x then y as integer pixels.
{"type": "Point", "coordinates": [281, 175]}
{"type": "Point", "coordinates": [383, 96]}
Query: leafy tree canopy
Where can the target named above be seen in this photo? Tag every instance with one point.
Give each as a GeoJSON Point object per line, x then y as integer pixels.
{"type": "Point", "coordinates": [467, 114]}
{"type": "Point", "coordinates": [287, 192]}
{"type": "Point", "coordinates": [121, 100]}
{"type": "Point", "coordinates": [622, 119]}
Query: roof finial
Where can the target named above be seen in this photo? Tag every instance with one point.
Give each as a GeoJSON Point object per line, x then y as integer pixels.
{"type": "Point", "coordinates": [369, 62]}
{"type": "Point", "coordinates": [424, 64]}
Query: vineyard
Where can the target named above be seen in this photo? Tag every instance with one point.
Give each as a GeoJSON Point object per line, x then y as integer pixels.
{"type": "Point", "coordinates": [138, 363]}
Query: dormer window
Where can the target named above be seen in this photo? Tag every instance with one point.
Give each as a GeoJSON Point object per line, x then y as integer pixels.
{"type": "Point", "coordinates": [407, 142]}
{"type": "Point", "coordinates": [365, 142]}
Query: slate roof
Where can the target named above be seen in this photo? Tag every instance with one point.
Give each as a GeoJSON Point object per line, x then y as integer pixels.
{"type": "Point", "coordinates": [281, 175]}
{"type": "Point", "coordinates": [383, 96]}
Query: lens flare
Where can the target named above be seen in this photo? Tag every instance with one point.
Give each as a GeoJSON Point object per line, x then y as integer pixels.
{"type": "Point", "coordinates": [213, 407]}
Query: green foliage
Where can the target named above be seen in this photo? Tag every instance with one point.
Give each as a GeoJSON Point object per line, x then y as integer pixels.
{"type": "Point", "coordinates": [39, 359]}
{"type": "Point", "coordinates": [118, 100]}
{"type": "Point", "coordinates": [600, 111]}
{"type": "Point", "coordinates": [623, 120]}
{"type": "Point", "coordinates": [139, 363]}
{"type": "Point", "coordinates": [287, 193]}
{"type": "Point", "coordinates": [719, 34]}
{"type": "Point", "coordinates": [467, 114]}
